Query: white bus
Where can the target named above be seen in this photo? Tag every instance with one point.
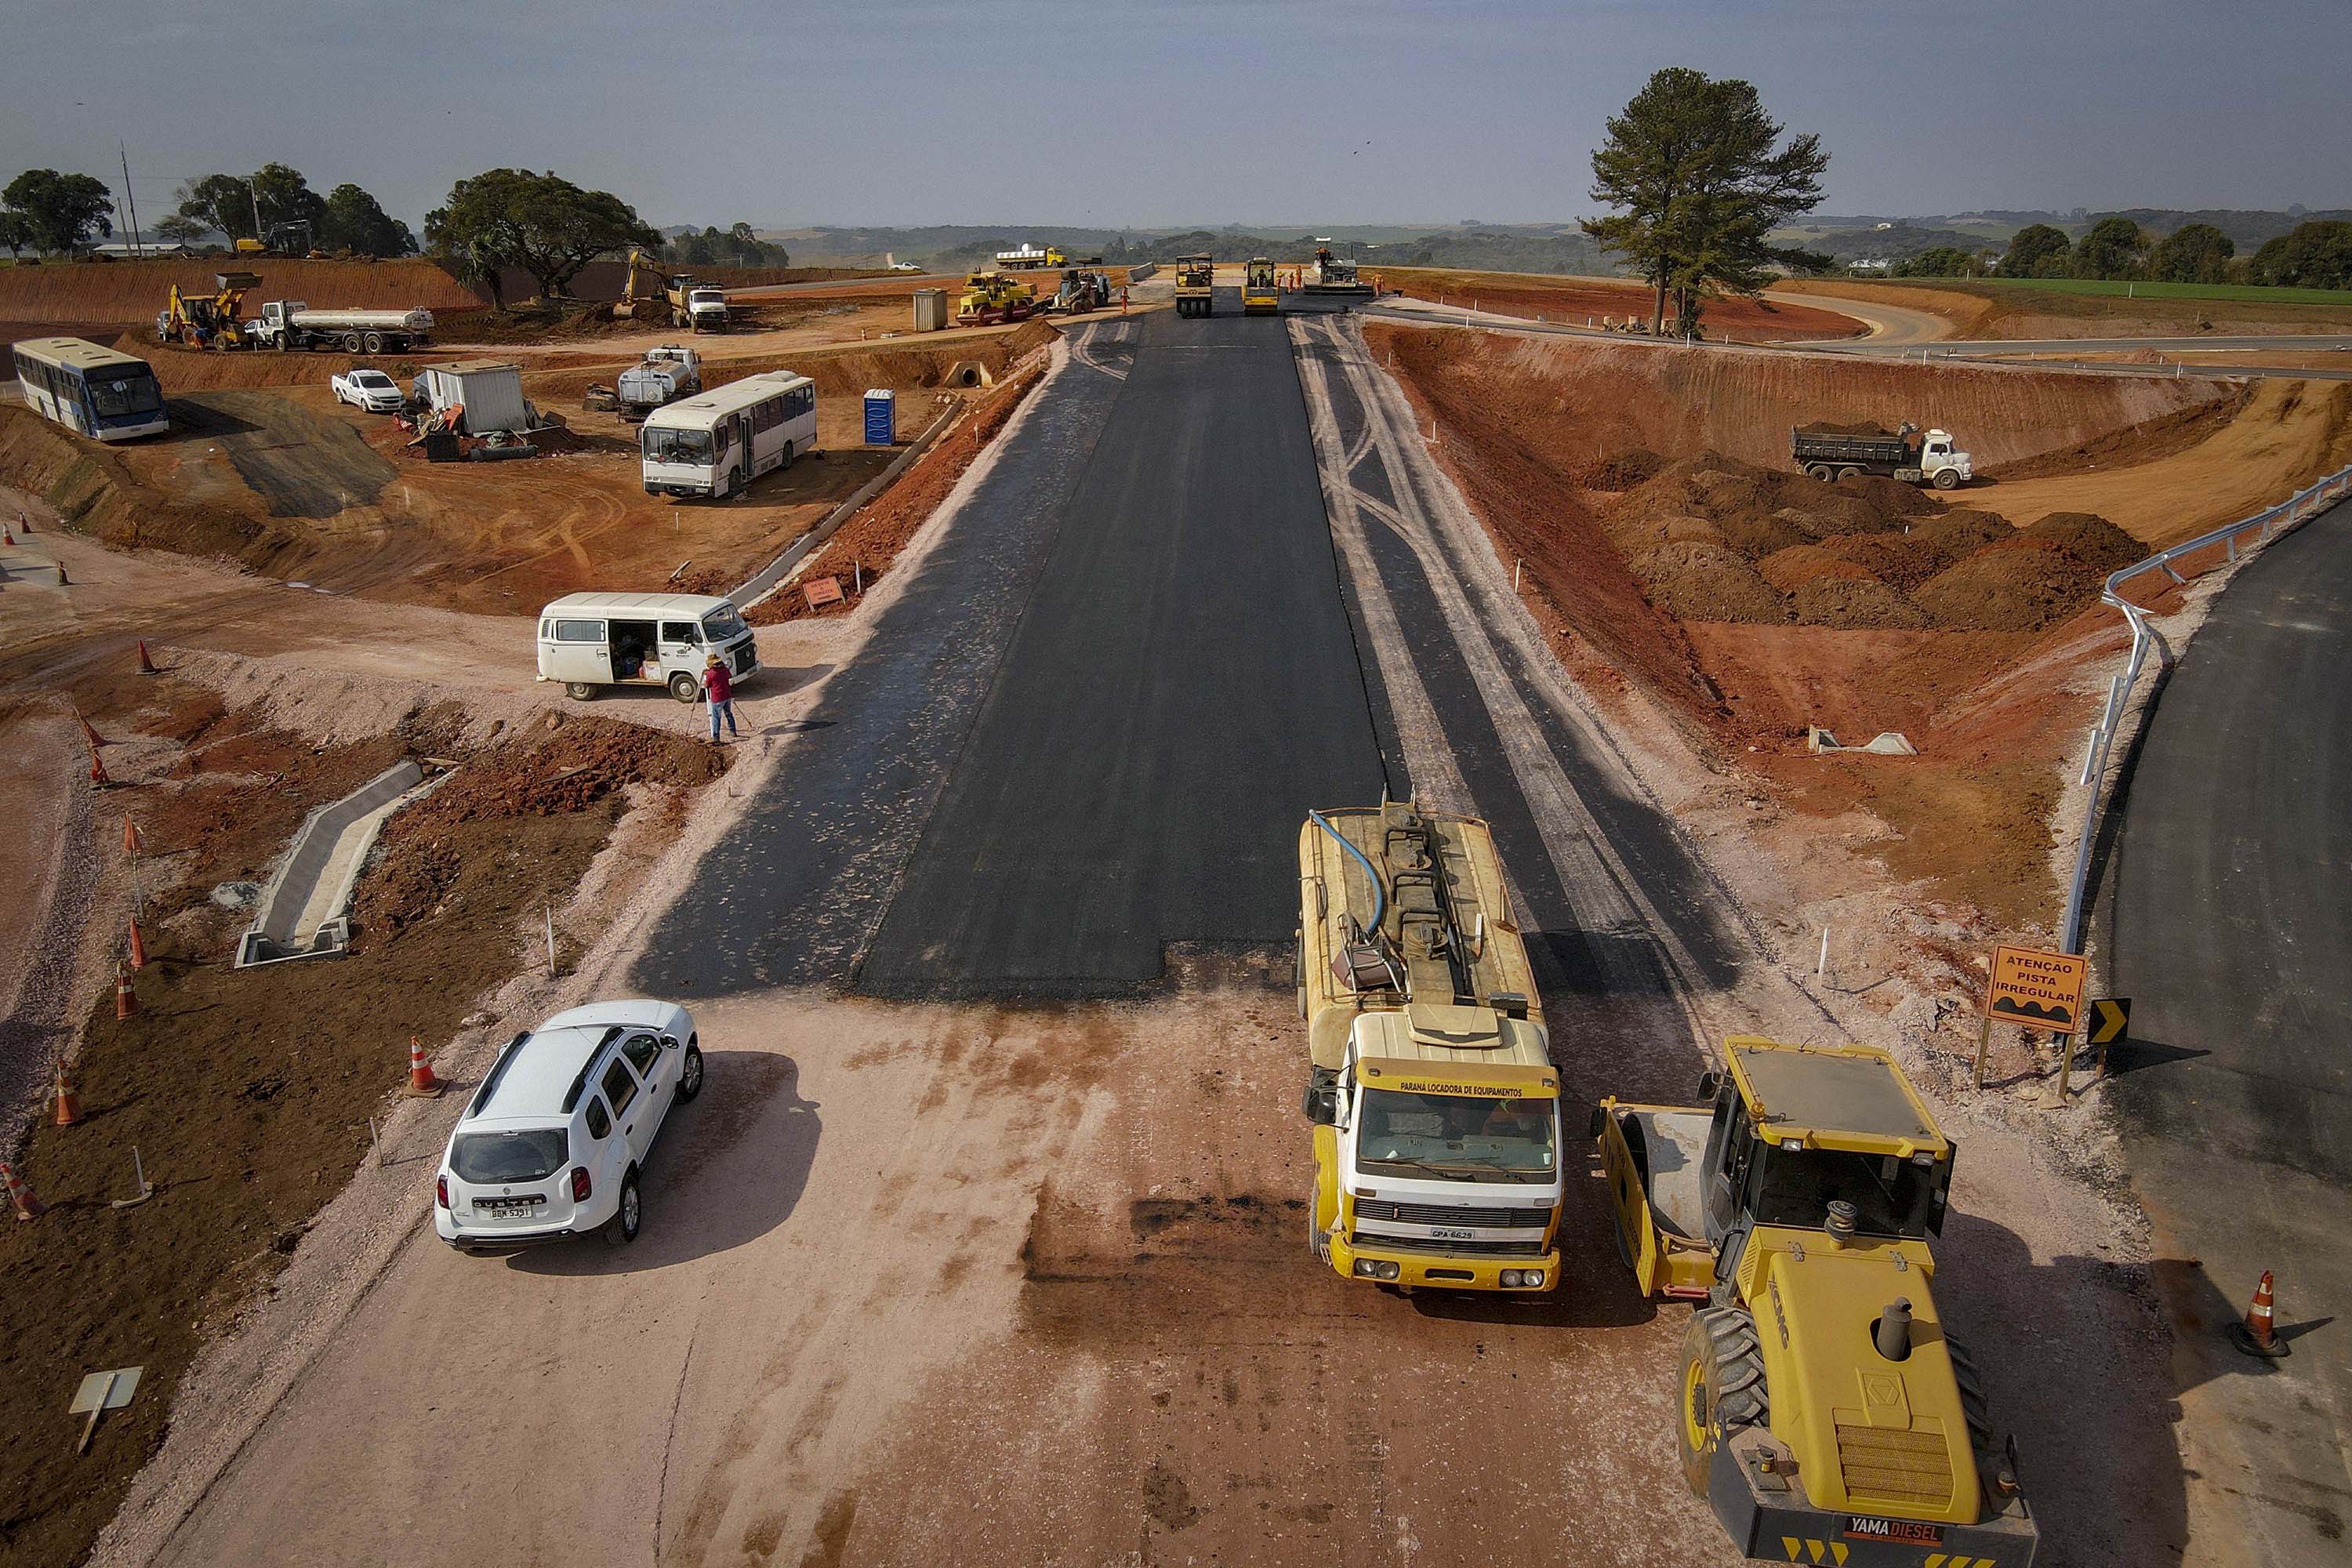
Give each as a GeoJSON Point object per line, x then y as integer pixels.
{"type": "Point", "coordinates": [98, 392]}
{"type": "Point", "coordinates": [718, 442]}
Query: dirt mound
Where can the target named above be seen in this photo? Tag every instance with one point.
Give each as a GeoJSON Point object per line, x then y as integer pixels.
{"type": "Point", "coordinates": [1787, 569]}
{"type": "Point", "coordinates": [1958, 534]}
{"type": "Point", "coordinates": [1621, 471]}
{"type": "Point", "coordinates": [1889, 497]}
{"type": "Point", "coordinates": [1700, 581]}
{"type": "Point", "coordinates": [2011, 585]}
{"type": "Point", "coordinates": [93, 490]}
{"type": "Point", "coordinates": [1855, 603]}
{"type": "Point", "coordinates": [2089, 539]}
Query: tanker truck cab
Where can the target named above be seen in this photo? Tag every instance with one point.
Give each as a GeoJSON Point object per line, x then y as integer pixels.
{"type": "Point", "coordinates": [1430, 1095]}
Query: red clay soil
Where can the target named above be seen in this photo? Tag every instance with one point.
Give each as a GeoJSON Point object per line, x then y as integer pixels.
{"type": "Point", "coordinates": [1590, 300]}
{"type": "Point", "coordinates": [1753, 601]}
{"type": "Point", "coordinates": [247, 1092]}
{"type": "Point", "coordinates": [134, 292]}
{"type": "Point", "coordinates": [863, 551]}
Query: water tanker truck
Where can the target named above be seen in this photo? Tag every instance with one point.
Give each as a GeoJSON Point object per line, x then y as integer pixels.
{"type": "Point", "coordinates": [293, 325]}
{"type": "Point", "coordinates": [1431, 1094]}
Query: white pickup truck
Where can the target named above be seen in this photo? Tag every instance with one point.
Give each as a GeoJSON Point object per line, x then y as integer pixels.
{"type": "Point", "coordinates": [293, 325]}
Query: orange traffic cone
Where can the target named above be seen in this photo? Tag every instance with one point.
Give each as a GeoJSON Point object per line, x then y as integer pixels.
{"type": "Point", "coordinates": [138, 945]}
{"type": "Point", "coordinates": [7, 535]}
{"type": "Point", "coordinates": [98, 774]}
{"type": "Point", "coordinates": [133, 841]}
{"type": "Point", "coordinates": [27, 1206]}
{"type": "Point", "coordinates": [422, 1084]}
{"type": "Point", "coordinates": [90, 734]}
{"type": "Point", "coordinates": [2256, 1335]}
{"type": "Point", "coordinates": [126, 1000]}
{"type": "Point", "coordinates": [146, 665]}
{"type": "Point", "coordinates": [63, 582]}
{"type": "Point", "coordinates": [69, 1098]}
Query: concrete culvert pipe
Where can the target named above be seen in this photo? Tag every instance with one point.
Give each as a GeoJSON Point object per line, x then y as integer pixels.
{"type": "Point", "coordinates": [970, 372]}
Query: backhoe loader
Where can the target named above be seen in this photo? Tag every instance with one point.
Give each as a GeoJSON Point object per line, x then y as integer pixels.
{"type": "Point", "coordinates": [207, 320]}
{"type": "Point", "coordinates": [1823, 1410]}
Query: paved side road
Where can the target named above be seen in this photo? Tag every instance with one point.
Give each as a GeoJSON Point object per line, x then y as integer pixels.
{"type": "Point", "coordinates": [2231, 933]}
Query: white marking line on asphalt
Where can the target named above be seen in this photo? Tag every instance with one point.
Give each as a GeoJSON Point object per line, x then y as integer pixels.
{"type": "Point", "coordinates": [1594, 878]}
{"type": "Point", "coordinates": [1427, 758]}
{"type": "Point", "coordinates": [1081, 346]}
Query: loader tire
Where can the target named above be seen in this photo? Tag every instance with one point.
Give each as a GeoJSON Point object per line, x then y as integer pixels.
{"type": "Point", "coordinates": [1721, 1387]}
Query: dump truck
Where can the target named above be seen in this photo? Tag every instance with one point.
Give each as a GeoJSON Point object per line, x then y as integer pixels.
{"type": "Point", "coordinates": [207, 320]}
{"type": "Point", "coordinates": [696, 307]}
{"type": "Point", "coordinates": [1261, 295]}
{"type": "Point", "coordinates": [1029, 257]}
{"type": "Point", "coordinates": [1431, 1094]}
{"type": "Point", "coordinates": [1196, 286]}
{"type": "Point", "coordinates": [666, 375]}
{"type": "Point", "coordinates": [1832, 452]}
{"type": "Point", "coordinates": [1824, 1411]}
{"type": "Point", "coordinates": [293, 325]}
{"type": "Point", "coordinates": [991, 298]}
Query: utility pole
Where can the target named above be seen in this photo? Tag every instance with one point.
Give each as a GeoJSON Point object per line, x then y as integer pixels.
{"type": "Point", "coordinates": [124, 154]}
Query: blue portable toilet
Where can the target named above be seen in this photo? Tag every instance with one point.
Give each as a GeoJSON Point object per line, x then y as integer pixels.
{"type": "Point", "coordinates": [881, 416]}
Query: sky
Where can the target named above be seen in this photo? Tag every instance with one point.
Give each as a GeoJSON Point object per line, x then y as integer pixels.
{"type": "Point", "coordinates": [1167, 112]}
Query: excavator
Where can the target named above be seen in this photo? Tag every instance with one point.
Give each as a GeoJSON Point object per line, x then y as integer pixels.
{"type": "Point", "coordinates": [701, 307]}
{"type": "Point", "coordinates": [207, 321]}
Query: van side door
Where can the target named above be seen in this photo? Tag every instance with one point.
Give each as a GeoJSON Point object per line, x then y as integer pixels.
{"type": "Point", "coordinates": [681, 648]}
{"type": "Point", "coordinates": [579, 650]}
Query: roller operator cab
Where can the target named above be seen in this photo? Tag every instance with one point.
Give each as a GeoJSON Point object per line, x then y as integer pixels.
{"type": "Point", "coordinates": [1823, 1409]}
{"type": "Point", "coordinates": [1431, 1094]}
{"type": "Point", "coordinates": [1196, 286]}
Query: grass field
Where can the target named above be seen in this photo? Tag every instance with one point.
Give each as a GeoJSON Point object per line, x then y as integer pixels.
{"type": "Point", "coordinates": [2232, 293]}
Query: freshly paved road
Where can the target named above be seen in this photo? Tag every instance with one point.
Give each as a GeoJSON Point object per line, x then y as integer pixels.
{"type": "Point", "coordinates": [2231, 933]}
{"type": "Point", "coordinates": [1089, 728]}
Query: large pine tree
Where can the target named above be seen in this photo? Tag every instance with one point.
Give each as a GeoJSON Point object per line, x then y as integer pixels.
{"type": "Point", "coordinates": [1697, 168]}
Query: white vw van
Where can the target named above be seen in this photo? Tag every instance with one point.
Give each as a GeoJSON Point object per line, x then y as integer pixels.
{"type": "Point", "coordinates": [588, 640]}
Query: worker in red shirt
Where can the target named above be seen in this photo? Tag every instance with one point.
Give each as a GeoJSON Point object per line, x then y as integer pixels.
{"type": "Point", "coordinates": [721, 690]}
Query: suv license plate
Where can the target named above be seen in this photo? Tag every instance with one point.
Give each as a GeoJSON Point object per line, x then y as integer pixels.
{"type": "Point", "coordinates": [506, 1205]}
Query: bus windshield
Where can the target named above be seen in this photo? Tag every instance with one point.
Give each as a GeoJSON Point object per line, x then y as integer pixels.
{"type": "Point", "coordinates": [1455, 1137]}
{"type": "Point", "coordinates": [690, 447]}
{"type": "Point", "coordinates": [115, 393]}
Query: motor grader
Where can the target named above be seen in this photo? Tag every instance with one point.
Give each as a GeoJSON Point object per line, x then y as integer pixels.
{"type": "Point", "coordinates": [1824, 1411]}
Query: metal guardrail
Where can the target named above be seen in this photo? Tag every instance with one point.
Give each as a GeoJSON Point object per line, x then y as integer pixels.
{"type": "Point", "coordinates": [2265, 526]}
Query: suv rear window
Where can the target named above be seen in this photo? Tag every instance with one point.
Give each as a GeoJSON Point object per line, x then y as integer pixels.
{"type": "Point", "coordinates": [532, 1155]}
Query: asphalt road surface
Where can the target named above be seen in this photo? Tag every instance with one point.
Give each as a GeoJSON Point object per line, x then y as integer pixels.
{"type": "Point", "coordinates": [2231, 933]}
{"type": "Point", "coordinates": [1090, 728]}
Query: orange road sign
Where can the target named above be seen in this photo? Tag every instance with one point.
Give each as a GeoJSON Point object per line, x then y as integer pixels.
{"type": "Point", "coordinates": [2038, 990]}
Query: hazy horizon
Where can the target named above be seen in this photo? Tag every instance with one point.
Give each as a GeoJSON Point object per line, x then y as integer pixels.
{"type": "Point", "coordinates": [907, 113]}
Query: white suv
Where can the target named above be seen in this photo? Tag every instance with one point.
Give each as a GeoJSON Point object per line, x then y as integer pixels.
{"type": "Point", "coordinates": [551, 1144]}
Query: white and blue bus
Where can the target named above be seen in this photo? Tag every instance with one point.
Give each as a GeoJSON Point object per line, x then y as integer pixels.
{"type": "Point", "coordinates": [99, 392]}
{"type": "Point", "coordinates": [715, 444]}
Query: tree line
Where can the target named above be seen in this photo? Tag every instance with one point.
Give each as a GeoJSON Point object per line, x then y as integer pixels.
{"type": "Point", "coordinates": [2314, 255]}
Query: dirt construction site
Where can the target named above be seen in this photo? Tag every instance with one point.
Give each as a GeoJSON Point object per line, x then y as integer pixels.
{"type": "Point", "coordinates": [978, 1247]}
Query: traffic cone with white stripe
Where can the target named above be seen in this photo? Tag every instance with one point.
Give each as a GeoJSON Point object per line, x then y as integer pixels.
{"type": "Point", "coordinates": [422, 1084]}
{"type": "Point", "coordinates": [126, 1000]}
{"type": "Point", "coordinates": [69, 1098]}
{"type": "Point", "coordinates": [2257, 1335]}
{"type": "Point", "coordinates": [28, 1208]}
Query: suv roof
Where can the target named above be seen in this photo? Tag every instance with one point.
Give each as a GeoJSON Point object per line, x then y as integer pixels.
{"type": "Point", "coordinates": [537, 1074]}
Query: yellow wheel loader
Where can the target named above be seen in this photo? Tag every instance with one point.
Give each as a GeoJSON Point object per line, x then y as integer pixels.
{"type": "Point", "coordinates": [1823, 1410]}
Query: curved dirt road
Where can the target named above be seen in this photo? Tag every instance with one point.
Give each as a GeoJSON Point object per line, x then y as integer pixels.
{"type": "Point", "coordinates": [1891, 326]}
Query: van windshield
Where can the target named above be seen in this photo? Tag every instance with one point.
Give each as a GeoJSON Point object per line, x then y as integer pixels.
{"type": "Point", "coordinates": [532, 1154]}
{"type": "Point", "coordinates": [690, 447]}
{"type": "Point", "coordinates": [723, 623]}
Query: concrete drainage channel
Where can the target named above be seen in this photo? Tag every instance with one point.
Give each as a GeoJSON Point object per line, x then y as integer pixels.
{"type": "Point", "coordinates": [301, 913]}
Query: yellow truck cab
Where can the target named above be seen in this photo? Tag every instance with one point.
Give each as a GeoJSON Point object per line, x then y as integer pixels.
{"type": "Point", "coordinates": [1431, 1091]}
{"type": "Point", "coordinates": [1823, 1409]}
